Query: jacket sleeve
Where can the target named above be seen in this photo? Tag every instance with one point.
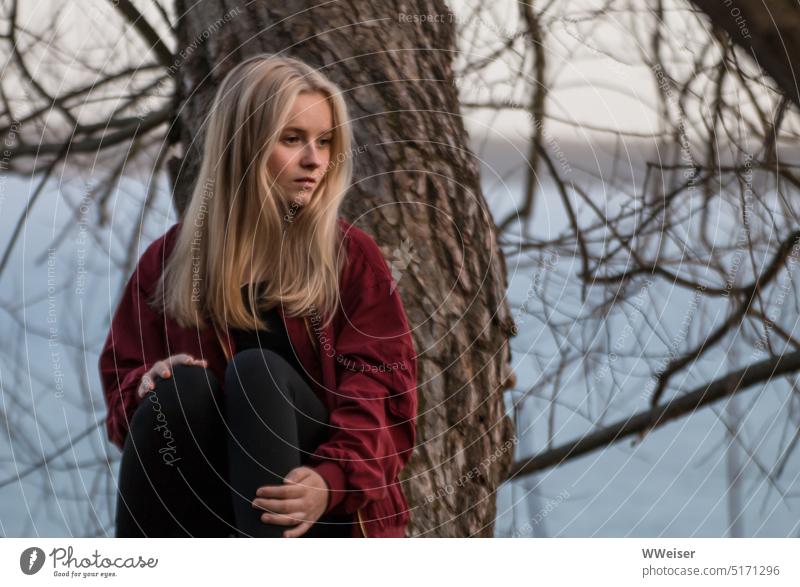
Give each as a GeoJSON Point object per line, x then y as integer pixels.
{"type": "Point", "coordinates": [374, 415]}
{"type": "Point", "coordinates": [134, 342]}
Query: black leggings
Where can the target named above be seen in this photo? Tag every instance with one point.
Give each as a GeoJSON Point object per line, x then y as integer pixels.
{"type": "Point", "coordinates": [194, 456]}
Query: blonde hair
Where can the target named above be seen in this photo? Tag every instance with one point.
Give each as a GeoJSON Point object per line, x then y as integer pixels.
{"type": "Point", "coordinates": [237, 227]}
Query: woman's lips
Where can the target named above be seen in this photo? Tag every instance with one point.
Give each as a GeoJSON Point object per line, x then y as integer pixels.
{"type": "Point", "coordinates": [306, 182]}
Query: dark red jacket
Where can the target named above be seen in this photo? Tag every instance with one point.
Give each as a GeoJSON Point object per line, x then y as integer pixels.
{"type": "Point", "coordinates": [363, 367]}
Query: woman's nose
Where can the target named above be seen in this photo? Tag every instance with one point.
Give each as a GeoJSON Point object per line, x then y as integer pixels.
{"type": "Point", "coordinates": [311, 157]}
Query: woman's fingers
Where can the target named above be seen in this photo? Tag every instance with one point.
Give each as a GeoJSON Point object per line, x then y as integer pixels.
{"type": "Point", "coordinates": [184, 359]}
{"type": "Point", "coordinates": [180, 359]}
{"type": "Point", "coordinates": [278, 506]}
{"type": "Point", "coordinates": [284, 519]}
{"type": "Point", "coordinates": [145, 385]}
{"type": "Point", "coordinates": [298, 531]}
{"type": "Point", "coordinates": [163, 369]}
{"type": "Point", "coordinates": [281, 491]}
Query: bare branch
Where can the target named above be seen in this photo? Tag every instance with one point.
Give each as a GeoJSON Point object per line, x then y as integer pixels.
{"type": "Point", "coordinates": [730, 384]}
{"type": "Point", "coordinates": [148, 33]}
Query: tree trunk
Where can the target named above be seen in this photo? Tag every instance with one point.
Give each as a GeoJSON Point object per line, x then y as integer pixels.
{"type": "Point", "coordinates": [417, 191]}
{"type": "Point", "coordinates": [769, 30]}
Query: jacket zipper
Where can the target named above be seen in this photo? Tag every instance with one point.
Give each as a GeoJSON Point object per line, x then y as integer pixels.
{"type": "Point", "coordinates": [314, 345]}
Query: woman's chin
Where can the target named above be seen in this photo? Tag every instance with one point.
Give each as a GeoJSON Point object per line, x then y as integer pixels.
{"type": "Point", "coordinates": [299, 199]}
{"type": "Point", "coordinates": [303, 197]}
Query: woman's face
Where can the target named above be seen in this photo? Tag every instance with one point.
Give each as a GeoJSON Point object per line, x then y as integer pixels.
{"type": "Point", "coordinates": [300, 158]}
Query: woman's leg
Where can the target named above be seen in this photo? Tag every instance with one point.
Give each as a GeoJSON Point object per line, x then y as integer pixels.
{"type": "Point", "coordinates": [172, 478]}
{"type": "Point", "coordinates": [275, 421]}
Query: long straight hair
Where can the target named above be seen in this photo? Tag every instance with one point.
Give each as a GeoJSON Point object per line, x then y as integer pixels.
{"type": "Point", "coordinates": [238, 228]}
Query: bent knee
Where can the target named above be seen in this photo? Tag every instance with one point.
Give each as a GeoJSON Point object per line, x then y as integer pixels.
{"type": "Point", "coordinates": [256, 369]}
{"type": "Point", "coordinates": [255, 360]}
{"type": "Point", "coordinates": [190, 391]}
{"type": "Point", "coordinates": [256, 356]}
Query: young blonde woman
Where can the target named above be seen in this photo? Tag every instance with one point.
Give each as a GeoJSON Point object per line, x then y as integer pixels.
{"type": "Point", "coordinates": [259, 372]}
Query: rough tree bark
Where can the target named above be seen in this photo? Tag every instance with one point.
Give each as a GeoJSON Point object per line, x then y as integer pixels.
{"type": "Point", "coordinates": [417, 191]}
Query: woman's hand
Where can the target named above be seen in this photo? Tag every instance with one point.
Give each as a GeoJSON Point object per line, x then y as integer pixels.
{"type": "Point", "coordinates": [163, 369]}
{"type": "Point", "coordinates": [301, 500]}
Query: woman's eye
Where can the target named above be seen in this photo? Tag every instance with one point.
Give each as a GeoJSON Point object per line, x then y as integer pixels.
{"type": "Point", "coordinates": [290, 139]}
{"type": "Point", "coordinates": [325, 142]}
